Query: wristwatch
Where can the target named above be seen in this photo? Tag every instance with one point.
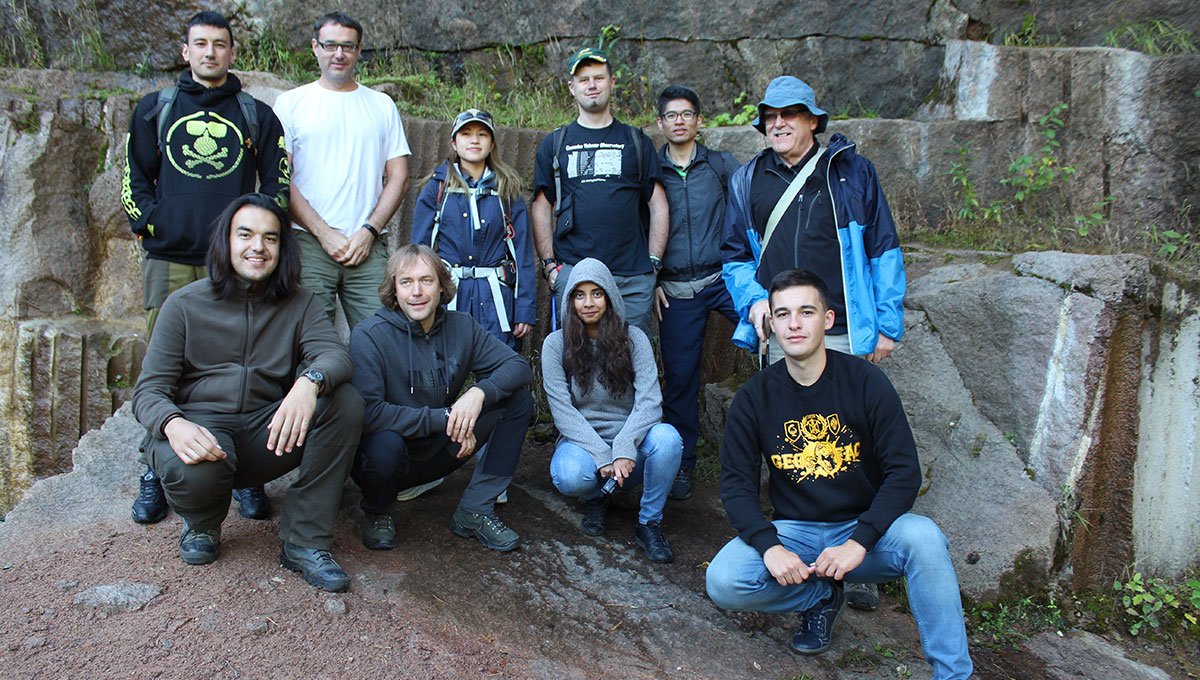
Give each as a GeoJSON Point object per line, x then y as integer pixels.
{"type": "Point", "coordinates": [548, 265]}
{"type": "Point", "coordinates": [656, 262]}
{"type": "Point", "coordinates": [373, 230]}
{"type": "Point", "coordinates": [317, 377]}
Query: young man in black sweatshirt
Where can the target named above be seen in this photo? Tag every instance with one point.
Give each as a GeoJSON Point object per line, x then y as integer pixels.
{"type": "Point", "coordinates": [843, 475]}
{"type": "Point", "coordinates": [193, 148]}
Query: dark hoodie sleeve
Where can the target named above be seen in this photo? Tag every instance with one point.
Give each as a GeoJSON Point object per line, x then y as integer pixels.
{"type": "Point", "coordinates": [274, 172]}
{"type": "Point", "coordinates": [370, 377]}
{"type": "Point", "coordinates": [741, 462]}
{"type": "Point", "coordinates": [499, 371]}
{"type": "Point", "coordinates": [142, 162]}
{"type": "Point", "coordinates": [897, 455]}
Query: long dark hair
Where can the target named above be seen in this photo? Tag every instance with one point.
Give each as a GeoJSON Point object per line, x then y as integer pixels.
{"type": "Point", "coordinates": [611, 362]}
{"type": "Point", "coordinates": [283, 281]}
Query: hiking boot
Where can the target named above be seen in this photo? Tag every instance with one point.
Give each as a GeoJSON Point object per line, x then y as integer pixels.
{"type": "Point", "coordinates": [253, 502]}
{"type": "Point", "coordinates": [681, 488]}
{"type": "Point", "coordinates": [593, 515]}
{"type": "Point", "coordinates": [199, 547]}
{"type": "Point", "coordinates": [379, 531]}
{"type": "Point", "coordinates": [316, 566]}
{"type": "Point", "coordinates": [150, 506]}
{"type": "Point", "coordinates": [816, 624]}
{"type": "Point", "coordinates": [490, 530]}
{"type": "Point", "coordinates": [414, 491]}
{"type": "Point", "coordinates": [650, 537]}
{"type": "Point", "coordinates": [862, 596]}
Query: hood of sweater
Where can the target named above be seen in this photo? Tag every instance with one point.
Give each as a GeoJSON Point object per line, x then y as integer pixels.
{"type": "Point", "coordinates": [591, 270]}
{"type": "Point", "coordinates": [209, 96]}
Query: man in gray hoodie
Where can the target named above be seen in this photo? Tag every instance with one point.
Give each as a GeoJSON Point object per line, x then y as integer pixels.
{"type": "Point", "coordinates": [411, 361]}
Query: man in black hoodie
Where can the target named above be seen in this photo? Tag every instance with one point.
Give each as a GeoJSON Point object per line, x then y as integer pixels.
{"type": "Point", "coordinates": [191, 149]}
{"type": "Point", "coordinates": [411, 362]}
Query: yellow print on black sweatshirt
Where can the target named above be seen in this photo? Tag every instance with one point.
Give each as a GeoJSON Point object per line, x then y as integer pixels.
{"type": "Point", "coordinates": [816, 446]}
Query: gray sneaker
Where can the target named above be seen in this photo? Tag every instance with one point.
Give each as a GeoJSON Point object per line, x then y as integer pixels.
{"type": "Point", "coordinates": [378, 531]}
{"type": "Point", "coordinates": [862, 596]}
{"type": "Point", "coordinates": [490, 530]}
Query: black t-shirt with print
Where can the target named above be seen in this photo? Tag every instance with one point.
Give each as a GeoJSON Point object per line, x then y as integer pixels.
{"type": "Point", "coordinates": [604, 213]}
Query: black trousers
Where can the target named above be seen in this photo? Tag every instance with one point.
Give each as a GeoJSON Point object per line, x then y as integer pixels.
{"type": "Point", "coordinates": [387, 463]}
{"type": "Point", "coordinates": [200, 493]}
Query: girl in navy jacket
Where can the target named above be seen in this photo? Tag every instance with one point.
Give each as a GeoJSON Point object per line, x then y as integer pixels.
{"type": "Point", "coordinates": [472, 214]}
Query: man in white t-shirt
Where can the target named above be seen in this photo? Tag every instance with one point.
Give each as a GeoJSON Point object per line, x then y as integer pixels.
{"type": "Point", "coordinates": [349, 161]}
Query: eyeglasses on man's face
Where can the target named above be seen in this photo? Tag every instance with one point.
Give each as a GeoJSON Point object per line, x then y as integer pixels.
{"type": "Point", "coordinates": [672, 116]}
{"type": "Point", "coordinates": [331, 46]}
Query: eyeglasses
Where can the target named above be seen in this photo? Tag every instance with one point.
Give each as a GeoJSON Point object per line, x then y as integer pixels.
{"type": "Point", "coordinates": [786, 114]}
{"type": "Point", "coordinates": [331, 46]}
{"type": "Point", "coordinates": [473, 114]}
{"type": "Point", "coordinates": [672, 116]}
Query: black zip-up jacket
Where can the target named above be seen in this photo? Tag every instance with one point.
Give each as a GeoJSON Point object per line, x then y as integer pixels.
{"type": "Point", "coordinates": [207, 160]}
{"type": "Point", "coordinates": [407, 377]}
{"type": "Point", "coordinates": [697, 212]}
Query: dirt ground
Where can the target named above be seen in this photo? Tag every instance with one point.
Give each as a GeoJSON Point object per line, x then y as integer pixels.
{"type": "Point", "coordinates": [564, 606]}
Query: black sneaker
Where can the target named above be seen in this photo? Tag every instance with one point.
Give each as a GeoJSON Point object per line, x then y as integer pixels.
{"type": "Point", "coordinates": [681, 488]}
{"type": "Point", "coordinates": [593, 515]}
{"type": "Point", "coordinates": [199, 547]}
{"type": "Point", "coordinates": [253, 502]}
{"type": "Point", "coordinates": [490, 530]}
{"type": "Point", "coordinates": [650, 537]}
{"type": "Point", "coordinates": [816, 624]}
{"type": "Point", "coordinates": [862, 596]}
{"type": "Point", "coordinates": [379, 531]}
{"type": "Point", "coordinates": [150, 506]}
{"type": "Point", "coordinates": [317, 566]}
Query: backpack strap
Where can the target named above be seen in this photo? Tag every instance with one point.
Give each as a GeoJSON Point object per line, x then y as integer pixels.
{"type": "Point", "coordinates": [440, 201]}
{"type": "Point", "coordinates": [250, 114]}
{"type": "Point", "coordinates": [161, 113]}
{"type": "Point", "coordinates": [560, 136]}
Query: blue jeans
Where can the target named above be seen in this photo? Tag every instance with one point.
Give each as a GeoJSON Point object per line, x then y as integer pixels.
{"type": "Point", "coordinates": [913, 547]}
{"type": "Point", "coordinates": [574, 473]}
{"type": "Point", "coordinates": [681, 334]}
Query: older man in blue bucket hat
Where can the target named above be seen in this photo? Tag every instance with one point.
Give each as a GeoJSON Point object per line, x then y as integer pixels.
{"type": "Point", "coordinates": [800, 205]}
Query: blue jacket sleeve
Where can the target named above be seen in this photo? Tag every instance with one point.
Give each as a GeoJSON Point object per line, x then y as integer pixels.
{"type": "Point", "coordinates": [888, 280]}
{"type": "Point", "coordinates": [739, 257]}
{"type": "Point", "coordinates": [424, 212]}
{"type": "Point", "coordinates": [526, 304]}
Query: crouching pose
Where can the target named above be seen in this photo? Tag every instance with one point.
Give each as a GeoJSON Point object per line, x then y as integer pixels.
{"type": "Point", "coordinates": [843, 477]}
{"type": "Point", "coordinates": [243, 381]}
{"type": "Point", "coordinates": [602, 384]}
{"type": "Point", "coordinates": [411, 360]}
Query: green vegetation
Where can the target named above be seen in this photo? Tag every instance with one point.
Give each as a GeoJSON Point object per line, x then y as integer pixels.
{"type": "Point", "coordinates": [1152, 604]}
{"type": "Point", "coordinates": [269, 52]}
{"type": "Point", "coordinates": [1158, 38]}
{"type": "Point", "coordinates": [1034, 213]}
{"type": "Point", "coordinates": [1027, 35]}
{"type": "Point", "coordinates": [745, 113]}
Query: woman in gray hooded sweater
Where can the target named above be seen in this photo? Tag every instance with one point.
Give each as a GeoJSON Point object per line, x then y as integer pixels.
{"type": "Point", "coordinates": [602, 384]}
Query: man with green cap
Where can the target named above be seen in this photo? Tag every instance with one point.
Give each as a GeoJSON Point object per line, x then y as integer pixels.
{"type": "Point", "coordinates": [598, 193]}
{"type": "Point", "coordinates": [798, 205]}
